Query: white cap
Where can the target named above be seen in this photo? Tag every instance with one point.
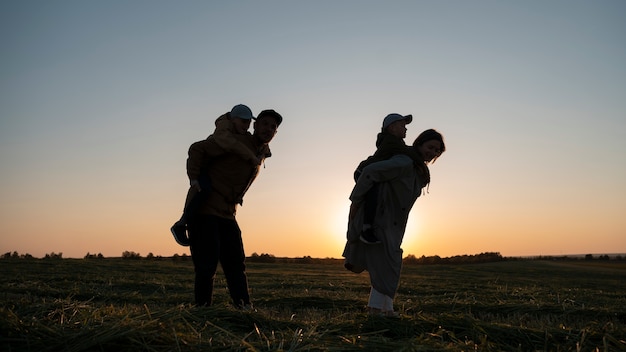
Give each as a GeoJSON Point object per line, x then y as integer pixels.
{"type": "Point", "coordinates": [391, 118]}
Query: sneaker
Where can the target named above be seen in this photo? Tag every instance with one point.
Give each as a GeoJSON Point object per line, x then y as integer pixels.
{"type": "Point", "coordinates": [179, 230]}
{"type": "Point", "coordinates": [375, 312]}
{"type": "Point", "coordinates": [368, 237]}
{"type": "Point", "coordinates": [248, 308]}
{"type": "Point", "coordinates": [391, 314]}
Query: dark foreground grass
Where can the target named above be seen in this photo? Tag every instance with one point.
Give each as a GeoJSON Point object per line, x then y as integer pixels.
{"type": "Point", "coordinates": [142, 305]}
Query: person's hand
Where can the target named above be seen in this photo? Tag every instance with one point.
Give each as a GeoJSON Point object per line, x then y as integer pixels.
{"type": "Point", "coordinates": [354, 207]}
{"type": "Point", "coordinates": [195, 185]}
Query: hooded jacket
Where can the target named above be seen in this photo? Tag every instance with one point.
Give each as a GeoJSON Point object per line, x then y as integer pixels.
{"type": "Point", "coordinates": [387, 145]}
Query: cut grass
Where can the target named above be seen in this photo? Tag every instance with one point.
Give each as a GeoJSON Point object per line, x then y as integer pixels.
{"type": "Point", "coordinates": [128, 305]}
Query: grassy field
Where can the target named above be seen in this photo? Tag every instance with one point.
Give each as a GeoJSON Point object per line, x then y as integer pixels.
{"type": "Point", "coordinates": [145, 305]}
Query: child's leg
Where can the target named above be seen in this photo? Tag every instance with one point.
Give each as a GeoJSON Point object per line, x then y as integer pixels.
{"type": "Point", "coordinates": [369, 213]}
{"type": "Point", "coordinates": [371, 201]}
{"type": "Point", "coordinates": [192, 203]}
{"type": "Point", "coordinates": [196, 199]}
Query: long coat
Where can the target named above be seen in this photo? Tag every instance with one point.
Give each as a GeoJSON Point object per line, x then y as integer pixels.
{"type": "Point", "coordinates": [400, 186]}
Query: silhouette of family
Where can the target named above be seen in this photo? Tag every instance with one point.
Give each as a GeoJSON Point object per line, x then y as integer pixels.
{"type": "Point", "coordinates": [222, 168]}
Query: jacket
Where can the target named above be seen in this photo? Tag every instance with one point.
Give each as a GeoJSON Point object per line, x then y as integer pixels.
{"type": "Point", "coordinates": [400, 185]}
{"type": "Point", "coordinates": [229, 173]}
{"type": "Point", "coordinates": [387, 145]}
{"type": "Point", "coordinates": [223, 135]}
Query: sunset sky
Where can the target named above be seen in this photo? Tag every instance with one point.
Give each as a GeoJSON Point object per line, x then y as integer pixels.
{"type": "Point", "coordinates": [100, 100]}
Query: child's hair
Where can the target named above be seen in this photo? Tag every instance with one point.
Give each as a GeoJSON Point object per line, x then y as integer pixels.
{"type": "Point", "coordinates": [429, 135]}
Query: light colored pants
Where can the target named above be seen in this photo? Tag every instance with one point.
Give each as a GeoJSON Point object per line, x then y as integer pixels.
{"type": "Point", "coordinates": [380, 301]}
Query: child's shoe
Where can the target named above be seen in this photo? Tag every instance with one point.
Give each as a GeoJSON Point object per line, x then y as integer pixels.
{"type": "Point", "coordinates": [179, 230]}
{"type": "Point", "coordinates": [368, 237]}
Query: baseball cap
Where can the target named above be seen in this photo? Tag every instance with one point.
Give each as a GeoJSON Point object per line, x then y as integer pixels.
{"type": "Point", "coordinates": [241, 111]}
{"type": "Point", "coordinates": [391, 118]}
{"type": "Point", "coordinates": [271, 113]}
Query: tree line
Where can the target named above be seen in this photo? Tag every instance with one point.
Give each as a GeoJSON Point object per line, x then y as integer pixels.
{"type": "Point", "coordinates": [410, 259]}
{"type": "Point", "coordinates": [486, 257]}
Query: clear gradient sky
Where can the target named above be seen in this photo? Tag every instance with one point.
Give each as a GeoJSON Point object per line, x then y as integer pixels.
{"type": "Point", "coordinates": [100, 100]}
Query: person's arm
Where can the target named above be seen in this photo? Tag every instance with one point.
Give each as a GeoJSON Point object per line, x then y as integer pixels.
{"type": "Point", "coordinates": [198, 155]}
{"type": "Point", "coordinates": [380, 171]}
{"type": "Point", "coordinates": [224, 137]}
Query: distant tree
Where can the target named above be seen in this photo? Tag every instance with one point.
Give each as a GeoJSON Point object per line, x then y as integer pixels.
{"type": "Point", "coordinates": [432, 260]}
{"type": "Point", "coordinates": [130, 255]}
{"type": "Point", "coordinates": [306, 260]}
{"type": "Point", "coordinates": [181, 257]}
{"type": "Point", "coordinates": [150, 256]}
{"type": "Point", "coordinates": [94, 256]}
{"type": "Point", "coordinates": [588, 257]}
{"type": "Point", "coordinates": [263, 258]}
{"type": "Point", "coordinates": [54, 256]}
{"type": "Point", "coordinates": [410, 259]}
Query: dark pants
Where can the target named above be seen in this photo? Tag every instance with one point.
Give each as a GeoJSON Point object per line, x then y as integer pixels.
{"type": "Point", "coordinates": [214, 239]}
{"type": "Point", "coordinates": [371, 201]}
{"type": "Point", "coordinates": [192, 205]}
